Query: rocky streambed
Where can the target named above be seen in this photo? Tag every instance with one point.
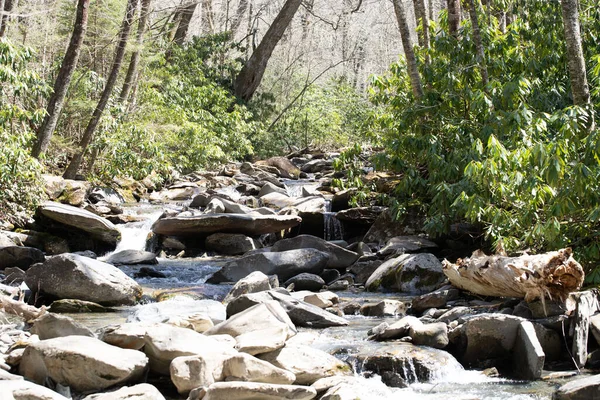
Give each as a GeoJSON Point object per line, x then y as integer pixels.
{"type": "Point", "coordinates": [253, 284]}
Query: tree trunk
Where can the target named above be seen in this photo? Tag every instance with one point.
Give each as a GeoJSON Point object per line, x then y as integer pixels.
{"type": "Point", "coordinates": [184, 23]}
{"type": "Point", "coordinates": [110, 84]}
{"type": "Point", "coordinates": [208, 17]}
{"type": "Point", "coordinates": [551, 275]}
{"type": "Point", "coordinates": [61, 86]}
{"type": "Point", "coordinates": [411, 61]}
{"type": "Point", "coordinates": [251, 74]}
{"type": "Point", "coordinates": [453, 17]}
{"type": "Point", "coordinates": [239, 15]}
{"type": "Point", "coordinates": [7, 9]}
{"type": "Point", "coordinates": [23, 310]}
{"type": "Point", "coordinates": [579, 84]}
{"type": "Point", "coordinates": [478, 42]}
{"type": "Point", "coordinates": [132, 70]}
{"type": "Point", "coordinates": [423, 19]}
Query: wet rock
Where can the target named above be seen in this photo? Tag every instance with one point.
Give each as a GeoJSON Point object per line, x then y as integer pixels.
{"type": "Point", "coordinates": [178, 307]}
{"type": "Point", "coordinates": [456, 313]}
{"type": "Point", "coordinates": [245, 301]}
{"type": "Point", "coordinates": [338, 256]}
{"type": "Point", "coordinates": [384, 308]}
{"type": "Point", "coordinates": [580, 389]}
{"type": "Point", "coordinates": [396, 330]}
{"type": "Point", "coordinates": [386, 227]}
{"type": "Point", "coordinates": [284, 166]}
{"type": "Point", "coordinates": [231, 243]}
{"type": "Point", "coordinates": [413, 273]}
{"type": "Point", "coordinates": [339, 285]}
{"type": "Point", "coordinates": [51, 325]}
{"type": "Point", "coordinates": [433, 335]}
{"type": "Point", "coordinates": [412, 363]}
{"type": "Point", "coordinates": [330, 275]}
{"type": "Point", "coordinates": [362, 270]}
{"type": "Point", "coordinates": [147, 272]}
{"type": "Point", "coordinates": [20, 257]}
{"type": "Point", "coordinates": [105, 194]}
{"type": "Point", "coordinates": [308, 364]}
{"type": "Point", "coordinates": [528, 355]}
{"type": "Point", "coordinates": [322, 300]}
{"type": "Point", "coordinates": [71, 217]}
{"type": "Point", "coordinates": [5, 241]}
{"type": "Point", "coordinates": [74, 192]}
{"type": "Point", "coordinates": [270, 188]}
{"type": "Point", "coordinates": [350, 307]}
{"type": "Point", "coordinates": [306, 281]}
{"type": "Point", "coordinates": [318, 165]}
{"type": "Point", "coordinates": [69, 276]}
{"type": "Point", "coordinates": [256, 390]}
{"type": "Point", "coordinates": [25, 390]}
{"type": "Point", "coordinates": [551, 308]}
{"type": "Point", "coordinates": [143, 391]}
{"type": "Point", "coordinates": [254, 282]}
{"type": "Point", "coordinates": [406, 244]}
{"type": "Point", "coordinates": [82, 363]}
{"type": "Point", "coordinates": [200, 200]}
{"type": "Point", "coordinates": [595, 327]}
{"type": "Point", "coordinates": [214, 206]}
{"type": "Point", "coordinates": [285, 265]}
{"type": "Point", "coordinates": [76, 306]}
{"type": "Point", "coordinates": [252, 225]}
{"type": "Point", "coordinates": [436, 299]}
{"type": "Point", "coordinates": [132, 257]}
{"type": "Point", "coordinates": [305, 314]}
{"type": "Point", "coordinates": [246, 368]}
{"type": "Point", "coordinates": [184, 192]}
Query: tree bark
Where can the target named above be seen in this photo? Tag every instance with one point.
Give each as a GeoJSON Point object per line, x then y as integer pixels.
{"type": "Point", "coordinates": [250, 76]}
{"type": "Point", "coordinates": [478, 42]}
{"type": "Point", "coordinates": [550, 275]}
{"type": "Point", "coordinates": [21, 309]}
{"type": "Point", "coordinates": [423, 19]}
{"type": "Point", "coordinates": [411, 61]}
{"type": "Point", "coordinates": [108, 87]}
{"type": "Point", "coordinates": [208, 17]}
{"type": "Point", "coordinates": [7, 8]}
{"type": "Point", "coordinates": [132, 70]}
{"type": "Point", "coordinates": [184, 23]}
{"type": "Point", "coordinates": [453, 17]}
{"type": "Point", "coordinates": [63, 80]}
{"type": "Point", "coordinates": [576, 62]}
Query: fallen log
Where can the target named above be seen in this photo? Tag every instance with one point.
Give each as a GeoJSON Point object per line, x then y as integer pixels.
{"type": "Point", "coordinates": [23, 310]}
{"type": "Point", "coordinates": [550, 275]}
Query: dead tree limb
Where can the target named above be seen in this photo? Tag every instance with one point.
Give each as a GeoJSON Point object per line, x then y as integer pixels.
{"type": "Point", "coordinates": [550, 275]}
{"type": "Point", "coordinates": [20, 308]}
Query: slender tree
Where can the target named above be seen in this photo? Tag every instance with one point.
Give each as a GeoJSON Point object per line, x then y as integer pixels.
{"type": "Point", "coordinates": [422, 18]}
{"type": "Point", "coordinates": [576, 62]}
{"type": "Point", "coordinates": [132, 70]}
{"type": "Point", "coordinates": [478, 42]}
{"type": "Point", "coordinates": [411, 61]}
{"type": "Point", "coordinates": [63, 80]}
{"type": "Point", "coordinates": [88, 134]}
{"type": "Point", "coordinates": [208, 17]}
{"type": "Point", "coordinates": [453, 17]}
{"type": "Point", "coordinates": [251, 74]}
{"type": "Point", "coordinates": [184, 23]}
{"type": "Point", "coordinates": [7, 7]}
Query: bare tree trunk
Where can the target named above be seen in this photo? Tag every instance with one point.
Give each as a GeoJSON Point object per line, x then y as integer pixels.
{"type": "Point", "coordinates": [453, 17]}
{"type": "Point", "coordinates": [551, 275]}
{"type": "Point", "coordinates": [184, 23]}
{"type": "Point", "coordinates": [23, 310]}
{"type": "Point", "coordinates": [61, 86]}
{"type": "Point", "coordinates": [239, 15]}
{"type": "Point", "coordinates": [208, 17]}
{"type": "Point", "coordinates": [7, 8]}
{"type": "Point", "coordinates": [132, 70]}
{"type": "Point", "coordinates": [576, 62]}
{"type": "Point", "coordinates": [478, 42]}
{"type": "Point", "coordinates": [108, 87]}
{"type": "Point", "coordinates": [251, 74]}
{"type": "Point", "coordinates": [411, 61]}
{"type": "Point", "coordinates": [424, 17]}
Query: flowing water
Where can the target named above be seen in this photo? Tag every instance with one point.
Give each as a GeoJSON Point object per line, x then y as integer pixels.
{"type": "Point", "coordinates": [135, 234]}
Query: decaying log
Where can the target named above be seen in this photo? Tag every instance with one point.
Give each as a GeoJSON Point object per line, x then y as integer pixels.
{"type": "Point", "coordinates": [550, 275]}
{"type": "Point", "coordinates": [20, 308]}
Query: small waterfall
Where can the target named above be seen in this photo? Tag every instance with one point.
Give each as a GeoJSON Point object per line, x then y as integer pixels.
{"type": "Point", "coordinates": [295, 188]}
{"type": "Point", "coordinates": [134, 234]}
{"type": "Point", "coordinates": [332, 227]}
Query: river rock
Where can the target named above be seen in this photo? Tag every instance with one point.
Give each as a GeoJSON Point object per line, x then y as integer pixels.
{"type": "Point", "coordinates": [83, 363]}
{"type": "Point", "coordinates": [252, 225]}
{"type": "Point", "coordinates": [178, 307]}
{"type": "Point", "coordinates": [285, 265]}
{"type": "Point", "coordinates": [407, 362]}
{"type": "Point", "coordinates": [106, 194]}
{"type": "Point", "coordinates": [595, 327]}
{"type": "Point", "coordinates": [305, 314]}
{"type": "Point", "coordinates": [270, 188]}
{"type": "Point", "coordinates": [51, 325]}
{"type": "Point", "coordinates": [247, 368]}
{"type": "Point", "coordinates": [254, 282]}
{"type": "Point", "coordinates": [5, 241]}
{"type": "Point", "coordinates": [256, 390]}
{"type": "Point", "coordinates": [204, 369]}
{"type": "Point", "coordinates": [317, 165]}
{"type": "Point", "coordinates": [130, 335]}
{"type": "Point", "coordinates": [396, 330]}
{"type": "Point", "coordinates": [77, 306]}
{"type": "Point", "coordinates": [277, 200]}
{"type": "Point", "coordinates": [143, 391]}
{"type": "Point", "coordinates": [245, 301]}
{"type": "Point", "coordinates": [436, 299]}
{"type": "Point", "coordinates": [433, 335]}
{"type": "Point", "coordinates": [69, 276]}
{"type": "Point", "coordinates": [25, 390]}
{"type": "Point", "coordinates": [406, 244]}
{"type": "Point", "coordinates": [285, 168]}
{"type": "Point", "coordinates": [413, 273]}
{"type": "Point", "coordinates": [231, 243]}
{"type": "Point", "coordinates": [581, 389]}
{"type": "Point", "coordinates": [73, 192]}
{"type": "Point", "coordinates": [338, 256]}
{"type": "Point", "coordinates": [73, 217]}
{"type": "Point", "coordinates": [322, 300]}
{"type": "Point", "coordinates": [132, 257]}
{"type": "Point", "coordinates": [20, 257]}
{"type": "Point", "coordinates": [164, 343]}
{"type": "Point", "coordinates": [308, 364]}
{"type": "Point", "coordinates": [528, 355]}
{"type": "Point", "coordinates": [306, 281]}
{"type": "Point", "coordinates": [364, 216]}
{"type": "Point", "coordinates": [383, 308]}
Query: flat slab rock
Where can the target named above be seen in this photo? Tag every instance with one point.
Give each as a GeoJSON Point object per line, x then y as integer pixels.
{"type": "Point", "coordinates": [252, 225]}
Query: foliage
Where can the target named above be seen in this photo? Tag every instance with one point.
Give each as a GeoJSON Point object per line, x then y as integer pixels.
{"type": "Point", "coordinates": [20, 88]}
{"type": "Point", "coordinates": [513, 157]}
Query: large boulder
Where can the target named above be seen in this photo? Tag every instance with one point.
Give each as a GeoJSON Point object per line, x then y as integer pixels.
{"type": "Point", "coordinates": [413, 273]}
{"type": "Point", "coordinates": [306, 281]}
{"type": "Point", "coordinates": [581, 389]}
{"type": "Point", "coordinates": [132, 257]}
{"type": "Point", "coordinates": [72, 217]}
{"type": "Point", "coordinates": [190, 372]}
{"type": "Point", "coordinates": [178, 307]}
{"type": "Point", "coordinates": [52, 325]}
{"type": "Point", "coordinates": [257, 390]}
{"type": "Point", "coordinates": [83, 363]}
{"type": "Point", "coordinates": [284, 167]}
{"type": "Point", "coordinates": [231, 243]}
{"type": "Point", "coordinates": [70, 276]}
{"type": "Point", "coordinates": [143, 391]}
{"type": "Point", "coordinates": [254, 282]}
{"type": "Point", "coordinates": [338, 256]}
{"type": "Point", "coordinates": [249, 224]}
{"type": "Point", "coordinates": [285, 265]}
{"type": "Point", "coordinates": [20, 257]}
{"type": "Point", "coordinates": [247, 368]}
{"type": "Point", "coordinates": [307, 363]}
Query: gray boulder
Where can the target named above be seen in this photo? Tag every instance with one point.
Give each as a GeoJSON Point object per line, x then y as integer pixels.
{"type": "Point", "coordinates": [25, 390]}
{"type": "Point", "coordinates": [69, 276]}
{"type": "Point", "coordinates": [270, 188]}
{"type": "Point", "coordinates": [20, 257]}
{"type": "Point", "coordinates": [436, 299]}
{"type": "Point", "coordinates": [51, 325]}
{"type": "Point", "coordinates": [406, 244]}
{"type": "Point", "coordinates": [383, 308]}
{"type": "Point", "coordinates": [338, 256]}
{"type": "Point", "coordinates": [73, 217]}
{"type": "Point", "coordinates": [412, 273]}
{"type": "Point", "coordinates": [252, 225]}
{"type": "Point", "coordinates": [581, 389]}
{"type": "Point", "coordinates": [178, 307]}
{"type": "Point", "coordinates": [528, 354]}
{"type": "Point", "coordinates": [306, 281]}
{"type": "Point", "coordinates": [254, 282]}
{"type": "Point", "coordinates": [231, 243]}
{"type": "Point", "coordinates": [132, 257]}
{"type": "Point", "coordinates": [433, 335]}
{"type": "Point", "coordinates": [285, 265]}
